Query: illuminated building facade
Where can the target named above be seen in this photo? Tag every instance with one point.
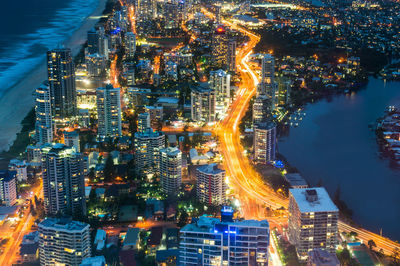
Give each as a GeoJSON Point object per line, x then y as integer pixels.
{"type": "Point", "coordinates": [264, 142]}
{"type": "Point", "coordinates": [203, 104]}
{"type": "Point", "coordinates": [313, 221]}
{"type": "Point", "coordinates": [267, 85]}
{"type": "Point", "coordinates": [130, 44]}
{"type": "Point", "coordinates": [63, 242]}
{"type": "Point", "coordinates": [219, 47]}
{"type": "Point", "coordinates": [143, 122]}
{"type": "Point", "coordinates": [63, 181]}
{"type": "Point", "coordinates": [44, 120]}
{"type": "Point", "coordinates": [210, 241]}
{"type": "Point", "coordinates": [8, 187]}
{"type": "Point", "coordinates": [261, 109]}
{"type": "Point", "coordinates": [171, 170]}
{"type": "Point", "coordinates": [220, 82]}
{"type": "Point", "coordinates": [61, 76]}
{"type": "Point", "coordinates": [211, 186]}
{"type": "Point", "coordinates": [109, 112]}
{"type": "Point", "coordinates": [147, 150]}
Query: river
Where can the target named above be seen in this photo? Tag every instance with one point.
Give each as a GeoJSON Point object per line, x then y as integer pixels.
{"type": "Point", "coordinates": [333, 143]}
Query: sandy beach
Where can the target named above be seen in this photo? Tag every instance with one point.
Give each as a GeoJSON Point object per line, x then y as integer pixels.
{"type": "Point", "coordinates": [19, 99]}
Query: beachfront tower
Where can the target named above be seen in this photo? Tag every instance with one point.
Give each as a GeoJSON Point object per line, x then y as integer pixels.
{"type": "Point", "coordinates": [63, 181]}
{"type": "Point", "coordinates": [44, 121]}
{"type": "Point", "coordinates": [108, 112]}
{"type": "Point", "coordinates": [61, 75]}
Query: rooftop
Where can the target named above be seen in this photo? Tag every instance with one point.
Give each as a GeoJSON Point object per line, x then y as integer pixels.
{"type": "Point", "coordinates": [63, 224]}
{"type": "Point", "coordinates": [321, 203]}
{"type": "Point", "coordinates": [94, 261]}
{"type": "Point", "coordinates": [210, 169]}
{"type": "Point", "coordinates": [207, 224]}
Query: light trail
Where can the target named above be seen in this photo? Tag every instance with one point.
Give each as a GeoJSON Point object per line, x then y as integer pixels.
{"type": "Point", "coordinates": [249, 188]}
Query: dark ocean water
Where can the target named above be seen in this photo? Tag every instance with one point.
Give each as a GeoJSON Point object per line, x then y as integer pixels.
{"type": "Point", "coordinates": [334, 144]}
{"type": "Point", "coordinates": [30, 27]}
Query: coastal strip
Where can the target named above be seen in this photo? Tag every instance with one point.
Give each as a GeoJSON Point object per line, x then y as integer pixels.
{"type": "Point", "coordinates": [19, 99]}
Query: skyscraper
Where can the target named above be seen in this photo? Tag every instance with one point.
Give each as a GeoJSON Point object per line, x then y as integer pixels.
{"type": "Point", "coordinates": [211, 186]}
{"type": "Point", "coordinates": [264, 142]}
{"type": "Point", "coordinates": [170, 170]}
{"type": "Point", "coordinates": [313, 221]}
{"type": "Point", "coordinates": [130, 44]}
{"type": "Point", "coordinates": [61, 75]}
{"type": "Point", "coordinates": [231, 55]}
{"type": "Point", "coordinates": [261, 109]}
{"type": "Point", "coordinates": [268, 85]}
{"type": "Point", "coordinates": [210, 241]}
{"type": "Point", "coordinates": [44, 121]}
{"type": "Point", "coordinates": [203, 104]}
{"type": "Point", "coordinates": [108, 112]}
{"type": "Point", "coordinates": [93, 41]}
{"type": "Point", "coordinates": [63, 242]}
{"type": "Point", "coordinates": [147, 150]}
{"type": "Point", "coordinates": [63, 181]}
{"type": "Point", "coordinates": [220, 82]}
{"type": "Point", "coordinates": [219, 47]}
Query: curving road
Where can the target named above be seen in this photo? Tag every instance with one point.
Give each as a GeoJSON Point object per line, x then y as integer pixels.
{"type": "Point", "coordinates": [249, 188]}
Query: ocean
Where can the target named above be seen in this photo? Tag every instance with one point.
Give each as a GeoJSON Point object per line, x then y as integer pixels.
{"type": "Point", "coordinates": [30, 28]}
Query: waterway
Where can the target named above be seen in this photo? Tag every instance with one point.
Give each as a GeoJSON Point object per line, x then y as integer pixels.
{"type": "Point", "coordinates": [333, 143]}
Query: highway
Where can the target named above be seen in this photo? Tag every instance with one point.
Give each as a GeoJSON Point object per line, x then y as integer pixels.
{"type": "Point", "coordinates": [253, 194]}
{"type": "Point", "coordinates": [11, 249]}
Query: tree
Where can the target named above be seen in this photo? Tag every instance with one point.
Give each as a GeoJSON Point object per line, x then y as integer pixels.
{"type": "Point", "coordinates": [183, 218]}
{"type": "Point", "coordinates": [109, 169]}
{"type": "Point", "coordinates": [371, 244]}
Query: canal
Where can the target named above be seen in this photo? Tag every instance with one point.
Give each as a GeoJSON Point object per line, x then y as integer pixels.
{"type": "Point", "coordinates": [334, 143]}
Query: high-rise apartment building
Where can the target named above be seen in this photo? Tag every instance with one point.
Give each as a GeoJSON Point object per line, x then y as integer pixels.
{"type": "Point", "coordinates": [92, 41]}
{"type": "Point", "coordinates": [130, 44]}
{"type": "Point", "coordinates": [171, 170]}
{"type": "Point", "coordinates": [220, 82]}
{"type": "Point", "coordinates": [108, 112]}
{"type": "Point", "coordinates": [267, 84]}
{"type": "Point", "coordinates": [211, 186]}
{"type": "Point", "coordinates": [61, 76]}
{"type": "Point", "coordinates": [231, 56]}
{"type": "Point", "coordinates": [313, 221]}
{"type": "Point", "coordinates": [209, 241]}
{"type": "Point", "coordinates": [147, 150]}
{"type": "Point", "coordinates": [264, 142]}
{"type": "Point", "coordinates": [261, 109]}
{"type": "Point", "coordinates": [63, 181]}
{"type": "Point", "coordinates": [219, 47]}
{"type": "Point", "coordinates": [44, 120]}
{"type": "Point", "coordinates": [63, 242]}
{"type": "Point", "coordinates": [203, 104]}
{"type": "Point", "coordinates": [8, 187]}
{"type": "Point", "coordinates": [143, 122]}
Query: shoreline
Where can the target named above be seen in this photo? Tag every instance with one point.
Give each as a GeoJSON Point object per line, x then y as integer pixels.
{"type": "Point", "coordinates": [16, 103]}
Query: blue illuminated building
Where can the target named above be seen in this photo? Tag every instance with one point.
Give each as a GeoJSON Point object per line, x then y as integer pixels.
{"type": "Point", "coordinates": [211, 241]}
